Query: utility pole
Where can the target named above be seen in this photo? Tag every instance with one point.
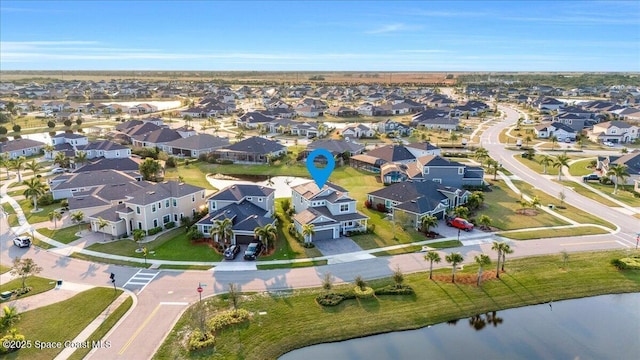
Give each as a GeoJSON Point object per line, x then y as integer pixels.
{"type": "Point", "coordinates": [113, 281]}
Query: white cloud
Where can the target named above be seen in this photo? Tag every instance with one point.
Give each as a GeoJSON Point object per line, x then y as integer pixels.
{"type": "Point", "coordinates": [391, 28]}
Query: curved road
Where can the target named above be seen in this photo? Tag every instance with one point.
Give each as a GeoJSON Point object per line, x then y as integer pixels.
{"type": "Point", "coordinates": [169, 292]}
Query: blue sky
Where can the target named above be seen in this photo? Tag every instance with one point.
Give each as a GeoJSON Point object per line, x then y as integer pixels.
{"type": "Point", "coordinates": [322, 36]}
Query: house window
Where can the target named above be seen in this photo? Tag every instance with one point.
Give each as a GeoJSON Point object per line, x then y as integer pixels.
{"type": "Point", "coordinates": [212, 204]}
{"type": "Point", "coordinates": [259, 199]}
{"type": "Point", "coordinates": [153, 207]}
{"type": "Point", "coordinates": [202, 194]}
{"type": "Point", "coordinates": [166, 203]}
{"type": "Point", "coordinates": [166, 219]}
{"type": "Point", "coordinates": [460, 171]}
{"type": "Point", "coordinates": [439, 181]}
{"type": "Point", "coordinates": [193, 212]}
{"type": "Point", "coordinates": [344, 207]}
{"type": "Point", "coordinates": [205, 229]}
{"type": "Point", "coordinates": [139, 225]}
{"type": "Point", "coordinates": [137, 209]}
{"type": "Point", "coordinates": [159, 205]}
{"type": "Point", "coordinates": [193, 198]}
{"type": "Point", "coordinates": [175, 217]}
{"type": "Point", "coordinates": [425, 170]}
{"type": "Point", "coordinates": [175, 202]}
{"type": "Point", "coordinates": [249, 198]}
{"type": "Point", "coordinates": [155, 223]}
{"type": "Point", "coordinates": [613, 131]}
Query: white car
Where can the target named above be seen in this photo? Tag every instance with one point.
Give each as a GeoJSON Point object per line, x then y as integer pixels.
{"type": "Point", "coordinates": [57, 171]}
{"type": "Point", "coordinates": [609, 144]}
{"type": "Point", "coordinates": [22, 241]}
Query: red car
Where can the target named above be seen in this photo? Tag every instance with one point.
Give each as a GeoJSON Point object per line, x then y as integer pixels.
{"type": "Point", "coordinates": [460, 223]}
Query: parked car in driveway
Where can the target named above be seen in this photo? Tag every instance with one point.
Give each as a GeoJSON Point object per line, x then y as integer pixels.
{"type": "Point", "coordinates": [590, 177]}
{"type": "Point", "coordinates": [232, 252]}
{"type": "Point", "coordinates": [22, 241]}
{"type": "Point", "coordinates": [253, 250]}
{"type": "Point", "coordinates": [460, 223]}
{"type": "Point", "coordinates": [57, 171]}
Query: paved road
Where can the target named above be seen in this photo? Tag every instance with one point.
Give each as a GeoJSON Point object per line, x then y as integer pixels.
{"type": "Point", "coordinates": [164, 297]}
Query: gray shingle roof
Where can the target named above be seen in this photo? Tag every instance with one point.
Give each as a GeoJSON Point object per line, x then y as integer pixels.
{"type": "Point", "coordinates": [336, 146]}
{"type": "Point", "coordinates": [199, 142]}
{"type": "Point", "coordinates": [240, 191]}
{"type": "Point", "coordinates": [256, 145]}
{"type": "Point", "coordinates": [94, 178]}
{"type": "Point", "coordinates": [162, 191]}
{"type": "Point", "coordinates": [125, 165]}
{"type": "Point", "coordinates": [159, 136]}
{"type": "Point", "coordinates": [19, 144]}
{"type": "Point", "coordinates": [392, 153]}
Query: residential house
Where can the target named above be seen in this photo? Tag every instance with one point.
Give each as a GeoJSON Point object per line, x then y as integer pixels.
{"type": "Point", "coordinates": [330, 210]}
{"type": "Point", "coordinates": [443, 171]}
{"type": "Point", "coordinates": [247, 206]}
{"type": "Point", "coordinates": [557, 129]}
{"type": "Point", "coordinates": [389, 126]}
{"type": "Point", "coordinates": [195, 145]}
{"type": "Point", "coordinates": [548, 103]}
{"type": "Point", "coordinates": [338, 148]}
{"type": "Point", "coordinates": [630, 160]}
{"type": "Point", "coordinates": [617, 132]}
{"type": "Point", "coordinates": [252, 119]}
{"type": "Point", "coordinates": [154, 206]}
{"type": "Point", "coordinates": [67, 185]}
{"type": "Point", "coordinates": [254, 150]}
{"type": "Point", "coordinates": [157, 138]}
{"type": "Point", "coordinates": [342, 111]}
{"type": "Point", "coordinates": [21, 147]}
{"type": "Point", "coordinates": [308, 111]}
{"type": "Point", "coordinates": [409, 201]}
{"type": "Point", "coordinates": [358, 131]}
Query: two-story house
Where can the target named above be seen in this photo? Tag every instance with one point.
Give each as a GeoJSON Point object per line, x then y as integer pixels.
{"type": "Point", "coordinates": [21, 147]}
{"type": "Point", "coordinates": [151, 207]}
{"type": "Point", "coordinates": [442, 171]}
{"type": "Point", "coordinates": [330, 210]}
{"type": "Point", "coordinates": [561, 131]}
{"type": "Point", "coordinates": [68, 185]}
{"type": "Point", "coordinates": [617, 132]}
{"type": "Point", "coordinates": [417, 199]}
{"type": "Point", "coordinates": [247, 206]}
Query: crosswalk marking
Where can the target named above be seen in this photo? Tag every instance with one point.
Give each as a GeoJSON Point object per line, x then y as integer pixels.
{"type": "Point", "coordinates": [141, 278]}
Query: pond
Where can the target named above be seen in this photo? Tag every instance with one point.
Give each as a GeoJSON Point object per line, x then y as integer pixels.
{"type": "Point", "coordinates": [601, 327]}
{"type": "Point", "coordinates": [282, 184]}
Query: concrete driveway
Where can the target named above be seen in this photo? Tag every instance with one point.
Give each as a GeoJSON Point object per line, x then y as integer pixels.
{"type": "Point", "coordinates": [337, 246]}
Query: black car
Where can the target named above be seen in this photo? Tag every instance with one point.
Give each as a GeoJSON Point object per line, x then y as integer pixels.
{"type": "Point", "coordinates": [590, 177]}
{"type": "Point", "coordinates": [253, 250]}
{"type": "Point", "coordinates": [232, 252]}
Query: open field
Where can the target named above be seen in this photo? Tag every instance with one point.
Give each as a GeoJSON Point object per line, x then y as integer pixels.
{"type": "Point", "coordinates": [526, 281]}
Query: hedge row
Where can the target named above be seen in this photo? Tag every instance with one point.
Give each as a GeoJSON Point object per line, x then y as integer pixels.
{"type": "Point", "coordinates": [334, 298]}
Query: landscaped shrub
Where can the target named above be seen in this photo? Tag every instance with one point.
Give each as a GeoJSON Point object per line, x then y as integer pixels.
{"type": "Point", "coordinates": [154, 230]}
{"type": "Point", "coordinates": [363, 293]}
{"type": "Point", "coordinates": [225, 162]}
{"type": "Point", "coordinates": [170, 225]}
{"type": "Point", "coordinates": [9, 339]}
{"type": "Point", "coordinates": [67, 123]}
{"type": "Point", "coordinates": [308, 245]}
{"type": "Point", "coordinates": [17, 128]}
{"type": "Point", "coordinates": [330, 299]}
{"type": "Point", "coordinates": [381, 208]}
{"type": "Point", "coordinates": [367, 204]}
{"type": "Point", "coordinates": [227, 318]}
{"type": "Point", "coordinates": [22, 291]}
{"type": "Point", "coordinates": [46, 199]}
{"type": "Point", "coordinates": [3, 130]}
{"type": "Point", "coordinates": [194, 234]}
{"type": "Point", "coordinates": [629, 263]}
{"type": "Point", "coordinates": [199, 341]}
{"type": "Point", "coordinates": [171, 162]}
{"type": "Point", "coordinates": [394, 290]}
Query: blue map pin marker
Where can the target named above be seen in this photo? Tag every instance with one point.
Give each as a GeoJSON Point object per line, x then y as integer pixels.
{"type": "Point", "coordinates": [320, 176]}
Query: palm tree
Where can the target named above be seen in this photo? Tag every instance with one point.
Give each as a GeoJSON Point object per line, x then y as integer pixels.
{"type": "Point", "coordinates": [34, 166]}
{"type": "Point", "coordinates": [454, 259]}
{"type": "Point", "coordinates": [482, 260]}
{"type": "Point", "coordinates": [526, 140]}
{"type": "Point", "coordinates": [10, 317]}
{"type": "Point", "coordinates": [619, 171]}
{"type": "Point", "coordinates": [55, 216]}
{"type": "Point", "coordinates": [267, 234]}
{"type": "Point", "coordinates": [485, 221]}
{"type": "Point", "coordinates": [506, 249]}
{"type": "Point", "coordinates": [545, 161]}
{"type": "Point", "coordinates": [493, 164]}
{"type": "Point", "coordinates": [432, 257]}
{"type": "Point", "coordinates": [5, 162]}
{"type": "Point", "coordinates": [535, 202]}
{"type": "Point", "coordinates": [138, 235]}
{"type": "Point", "coordinates": [224, 230]}
{"type": "Point", "coordinates": [102, 223]}
{"type": "Point", "coordinates": [453, 137]}
{"type": "Point", "coordinates": [34, 189]}
{"type": "Point", "coordinates": [81, 157]}
{"type": "Point", "coordinates": [427, 222]}
{"type": "Point", "coordinates": [77, 218]}
{"type": "Point", "coordinates": [461, 211]}
{"type": "Point", "coordinates": [18, 164]}
{"type": "Point", "coordinates": [308, 231]}
{"type": "Point", "coordinates": [560, 163]}
{"type": "Point", "coordinates": [554, 140]}
{"type": "Point", "coordinates": [48, 149]}
{"type": "Point", "coordinates": [498, 246]}
{"type": "Point", "coordinates": [239, 135]}
{"type": "Point", "coordinates": [61, 159]}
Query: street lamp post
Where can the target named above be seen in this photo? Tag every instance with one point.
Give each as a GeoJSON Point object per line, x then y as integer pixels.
{"type": "Point", "coordinates": [637, 240]}
{"type": "Point", "coordinates": [113, 281]}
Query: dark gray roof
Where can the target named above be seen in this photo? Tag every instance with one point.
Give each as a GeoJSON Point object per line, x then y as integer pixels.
{"type": "Point", "coordinates": [128, 124]}
{"type": "Point", "coordinates": [82, 202]}
{"type": "Point", "coordinates": [392, 153]}
{"type": "Point", "coordinates": [565, 127]}
{"type": "Point", "coordinates": [19, 144]}
{"type": "Point", "coordinates": [336, 146]}
{"type": "Point", "coordinates": [159, 136]}
{"type": "Point", "coordinates": [631, 160]}
{"type": "Point", "coordinates": [68, 136]}
{"type": "Point", "coordinates": [162, 191]}
{"type": "Point", "coordinates": [423, 146]}
{"type": "Point", "coordinates": [199, 142]}
{"type": "Point", "coordinates": [125, 165]}
{"type": "Point", "coordinates": [94, 178]}
{"type": "Point", "coordinates": [256, 145]}
{"type": "Point", "coordinates": [435, 160]}
{"type": "Point", "coordinates": [110, 213]}
{"type": "Point", "coordinates": [240, 191]}
{"type": "Point", "coordinates": [245, 216]}
{"type": "Point", "coordinates": [407, 191]}
{"type": "Point", "coordinates": [140, 129]}
{"type": "Point", "coordinates": [105, 145]}
{"type": "Point", "coordinates": [120, 191]}
{"type": "Point", "coordinates": [421, 205]}
{"type": "Point", "coordinates": [254, 117]}
{"type": "Point", "coordinates": [339, 217]}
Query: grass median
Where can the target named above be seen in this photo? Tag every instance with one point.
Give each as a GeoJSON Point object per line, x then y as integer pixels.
{"type": "Point", "coordinates": [551, 233]}
{"type": "Point", "coordinates": [297, 321]}
{"type": "Point", "coordinates": [38, 285]}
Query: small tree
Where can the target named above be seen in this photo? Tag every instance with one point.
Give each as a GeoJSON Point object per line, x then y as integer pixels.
{"type": "Point", "coordinates": [398, 277]}
{"type": "Point", "coordinates": [485, 221]}
{"type": "Point", "coordinates": [432, 257]}
{"type": "Point", "coordinates": [102, 223]}
{"type": "Point", "coordinates": [55, 217]}
{"type": "Point", "coordinates": [359, 281]}
{"type": "Point", "coordinates": [25, 268]}
{"type": "Point", "coordinates": [461, 211]}
{"type": "Point", "coordinates": [234, 295]}
{"type": "Point", "coordinates": [427, 222]}
{"type": "Point", "coordinates": [565, 258]}
{"type": "Point", "coordinates": [138, 235]}
{"type": "Point", "coordinates": [149, 168]}
{"type": "Point", "coordinates": [17, 128]}
{"type": "Point", "coordinates": [327, 281]}
{"type": "Point", "coordinates": [454, 259]}
{"type": "Point", "coordinates": [10, 317]}
{"type": "Point", "coordinates": [482, 260]}
{"type": "Point", "coordinates": [506, 249]}
{"type": "Point", "coordinates": [77, 218]}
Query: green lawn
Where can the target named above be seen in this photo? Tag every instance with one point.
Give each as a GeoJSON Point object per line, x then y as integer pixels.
{"type": "Point", "coordinates": [191, 174]}
{"type": "Point", "coordinates": [61, 321]}
{"type": "Point", "coordinates": [41, 215]}
{"type": "Point", "coordinates": [64, 235]}
{"type": "Point", "coordinates": [571, 212]}
{"type": "Point", "coordinates": [13, 217]}
{"type": "Point", "coordinates": [102, 330]}
{"type": "Point", "coordinates": [535, 165]}
{"type": "Point", "coordinates": [588, 193]}
{"type": "Point", "coordinates": [500, 205]}
{"type": "Point", "coordinates": [580, 168]}
{"type": "Point", "coordinates": [527, 281]}
{"type": "Point", "coordinates": [287, 247]}
{"type": "Point", "coordinates": [97, 259]}
{"type": "Point", "coordinates": [551, 233]}
{"type": "Point", "coordinates": [185, 267]}
{"type": "Point", "coordinates": [38, 284]}
{"type": "Point", "coordinates": [4, 269]}
{"type": "Point", "coordinates": [291, 265]}
{"type": "Point", "coordinates": [624, 193]}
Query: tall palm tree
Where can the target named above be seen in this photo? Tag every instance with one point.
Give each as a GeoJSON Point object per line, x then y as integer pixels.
{"type": "Point", "coordinates": [493, 164]}
{"type": "Point", "coordinates": [454, 259]}
{"type": "Point", "coordinates": [482, 260]}
{"type": "Point", "coordinates": [55, 217]}
{"type": "Point", "coordinates": [102, 223]}
{"type": "Point", "coordinates": [10, 317]}
{"type": "Point", "coordinates": [5, 162]}
{"type": "Point", "coordinates": [619, 171]}
{"type": "Point", "coordinates": [48, 149]}
{"type": "Point", "coordinates": [432, 257]}
{"type": "Point", "coordinates": [77, 218]}
{"type": "Point", "coordinates": [427, 222]}
{"type": "Point", "coordinates": [554, 140]}
{"type": "Point", "coordinates": [224, 230]}
{"type": "Point", "coordinates": [307, 231]}
{"type": "Point", "coordinates": [34, 166]}
{"type": "Point", "coordinates": [560, 163]}
{"type": "Point", "coordinates": [505, 250]}
{"type": "Point", "coordinates": [61, 159]}
{"type": "Point", "coordinates": [545, 161]}
{"type": "Point", "coordinates": [498, 246]}
{"type": "Point", "coordinates": [481, 154]}
{"type": "Point", "coordinates": [18, 165]}
{"type": "Point", "coordinates": [81, 158]}
{"type": "Point", "coordinates": [34, 189]}
{"type": "Point", "coordinates": [138, 235]}
{"type": "Point", "coordinates": [267, 234]}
